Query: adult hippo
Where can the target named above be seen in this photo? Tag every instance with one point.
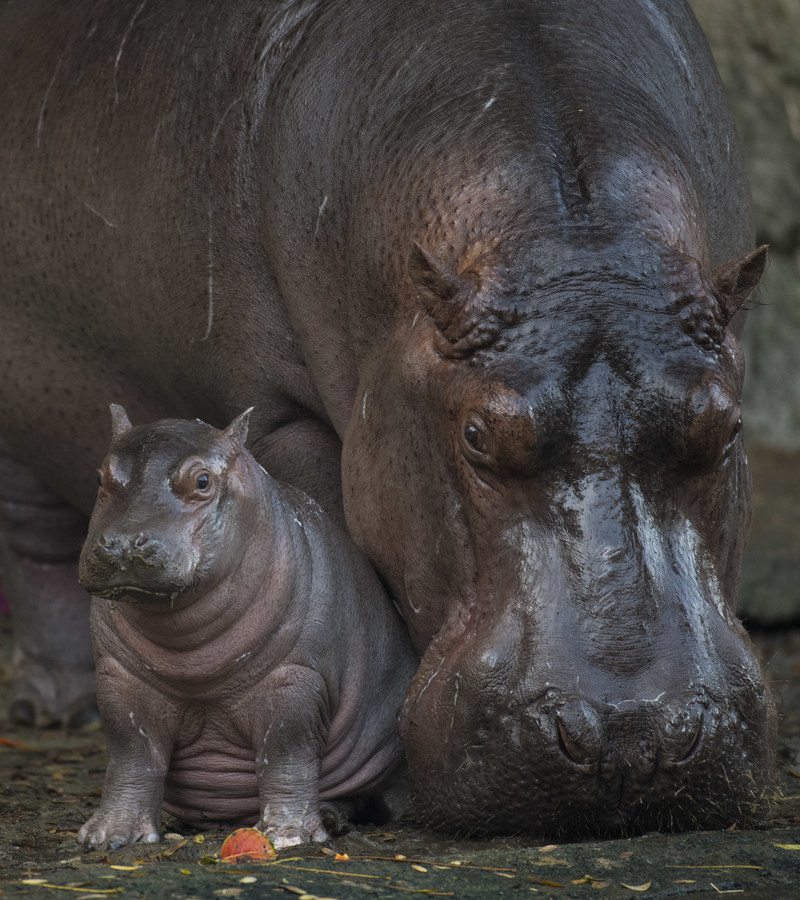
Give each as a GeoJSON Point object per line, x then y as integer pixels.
{"type": "Point", "coordinates": [477, 264]}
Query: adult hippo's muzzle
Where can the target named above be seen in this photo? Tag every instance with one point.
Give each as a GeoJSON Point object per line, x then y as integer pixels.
{"type": "Point", "coordinates": [615, 694]}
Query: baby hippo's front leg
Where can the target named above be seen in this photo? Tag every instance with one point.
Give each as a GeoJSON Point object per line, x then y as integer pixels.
{"type": "Point", "coordinates": [139, 747]}
{"type": "Point", "coordinates": [112, 827]}
{"type": "Point", "coordinates": [289, 757]}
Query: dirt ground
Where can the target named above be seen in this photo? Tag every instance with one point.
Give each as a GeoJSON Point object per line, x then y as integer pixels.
{"type": "Point", "coordinates": [50, 782]}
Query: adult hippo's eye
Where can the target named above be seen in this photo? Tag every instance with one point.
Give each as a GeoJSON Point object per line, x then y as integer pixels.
{"type": "Point", "coordinates": [202, 482]}
{"type": "Point", "coordinates": [476, 439]}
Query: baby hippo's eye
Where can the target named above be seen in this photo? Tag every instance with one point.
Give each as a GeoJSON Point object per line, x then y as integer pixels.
{"type": "Point", "coordinates": [193, 481]}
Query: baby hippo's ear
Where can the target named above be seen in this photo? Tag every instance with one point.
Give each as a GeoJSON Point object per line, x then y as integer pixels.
{"type": "Point", "coordinates": [235, 435]}
{"type": "Point", "coordinates": [120, 423]}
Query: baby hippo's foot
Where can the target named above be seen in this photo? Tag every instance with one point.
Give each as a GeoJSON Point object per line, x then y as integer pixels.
{"type": "Point", "coordinates": [288, 831]}
{"type": "Point", "coordinates": [337, 815]}
{"type": "Point", "coordinates": [110, 829]}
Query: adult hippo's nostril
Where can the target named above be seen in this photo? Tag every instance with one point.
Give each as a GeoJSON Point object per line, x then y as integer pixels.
{"type": "Point", "coordinates": [627, 736]}
{"type": "Point", "coordinates": [578, 731]}
{"type": "Point", "coordinates": [684, 733]}
{"type": "Point", "coordinates": [141, 540]}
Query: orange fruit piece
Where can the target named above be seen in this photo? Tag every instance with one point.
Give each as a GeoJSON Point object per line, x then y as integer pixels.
{"type": "Point", "coordinates": [247, 843]}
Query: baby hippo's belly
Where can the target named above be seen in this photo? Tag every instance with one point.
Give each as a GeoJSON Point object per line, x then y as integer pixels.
{"type": "Point", "coordinates": [212, 783]}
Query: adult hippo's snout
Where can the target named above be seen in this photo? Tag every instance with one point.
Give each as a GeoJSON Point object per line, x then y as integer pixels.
{"type": "Point", "coordinates": [549, 720]}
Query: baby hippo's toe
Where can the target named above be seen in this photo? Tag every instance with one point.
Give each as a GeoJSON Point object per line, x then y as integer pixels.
{"type": "Point", "coordinates": [288, 834]}
{"type": "Point", "coordinates": [113, 828]}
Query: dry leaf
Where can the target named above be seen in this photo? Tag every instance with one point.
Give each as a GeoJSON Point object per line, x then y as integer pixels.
{"type": "Point", "coordinates": [788, 846]}
{"type": "Point", "coordinates": [419, 868]}
{"type": "Point", "coordinates": [638, 887]}
{"type": "Point", "coordinates": [548, 848]}
{"type": "Point", "coordinates": [342, 857]}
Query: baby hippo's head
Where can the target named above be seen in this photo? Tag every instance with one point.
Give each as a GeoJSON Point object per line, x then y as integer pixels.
{"type": "Point", "coordinates": [172, 513]}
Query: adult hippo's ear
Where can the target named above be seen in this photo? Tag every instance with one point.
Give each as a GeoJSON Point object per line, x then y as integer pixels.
{"type": "Point", "coordinates": [235, 435]}
{"type": "Point", "coordinates": [735, 281]}
{"type": "Point", "coordinates": [120, 423]}
{"type": "Point", "coordinates": [441, 290]}
{"type": "Point", "coordinates": [466, 317]}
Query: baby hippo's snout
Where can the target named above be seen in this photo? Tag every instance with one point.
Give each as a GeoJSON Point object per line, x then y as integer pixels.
{"type": "Point", "coordinates": [139, 564]}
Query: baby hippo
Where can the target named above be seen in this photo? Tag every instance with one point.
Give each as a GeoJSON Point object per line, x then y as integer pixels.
{"type": "Point", "coordinates": [249, 663]}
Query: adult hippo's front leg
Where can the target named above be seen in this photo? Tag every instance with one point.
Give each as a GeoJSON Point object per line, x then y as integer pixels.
{"type": "Point", "coordinates": [40, 538]}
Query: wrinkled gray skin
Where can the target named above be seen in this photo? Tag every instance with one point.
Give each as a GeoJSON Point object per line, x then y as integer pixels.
{"type": "Point", "coordinates": [249, 663]}
{"type": "Point", "coordinates": [478, 265]}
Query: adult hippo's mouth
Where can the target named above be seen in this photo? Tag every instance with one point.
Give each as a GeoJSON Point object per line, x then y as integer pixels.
{"type": "Point", "coordinates": [568, 765]}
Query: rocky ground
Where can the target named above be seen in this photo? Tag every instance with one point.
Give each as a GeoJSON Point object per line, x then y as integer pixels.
{"type": "Point", "coordinates": [50, 782]}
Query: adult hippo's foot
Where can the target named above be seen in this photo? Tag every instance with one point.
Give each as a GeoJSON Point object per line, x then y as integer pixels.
{"type": "Point", "coordinates": [40, 537]}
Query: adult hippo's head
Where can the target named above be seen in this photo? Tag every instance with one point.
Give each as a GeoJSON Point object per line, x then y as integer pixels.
{"type": "Point", "coordinates": [547, 468]}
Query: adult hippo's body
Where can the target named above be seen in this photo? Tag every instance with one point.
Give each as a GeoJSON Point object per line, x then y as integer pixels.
{"type": "Point", "coordinates": [477, 266]}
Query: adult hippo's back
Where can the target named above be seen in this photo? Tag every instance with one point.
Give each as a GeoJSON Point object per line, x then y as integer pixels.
{"type": "Point", "coordinates": [481, 258]}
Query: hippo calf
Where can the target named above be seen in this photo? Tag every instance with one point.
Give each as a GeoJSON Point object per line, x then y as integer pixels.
{"type": "Point", "coordinates": [248, 663]}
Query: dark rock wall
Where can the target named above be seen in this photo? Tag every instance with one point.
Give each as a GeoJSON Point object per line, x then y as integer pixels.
{"type": "Point", "coordinates": [756, 44]}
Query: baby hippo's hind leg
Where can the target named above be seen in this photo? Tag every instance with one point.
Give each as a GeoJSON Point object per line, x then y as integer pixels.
{"type": "Point", "coordinates": [40, 539]}
{"type": "Point", "coordinates": [383, 807]}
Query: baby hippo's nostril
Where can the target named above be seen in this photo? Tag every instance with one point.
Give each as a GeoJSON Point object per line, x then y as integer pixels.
{"type": "Point", "coordinates": [108, 545]}
{"type": "Point", "coordinates": [141, 540]}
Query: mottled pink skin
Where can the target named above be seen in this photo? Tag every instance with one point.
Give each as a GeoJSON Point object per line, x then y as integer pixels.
{"type": "Point", "coordinates": [273, 679]}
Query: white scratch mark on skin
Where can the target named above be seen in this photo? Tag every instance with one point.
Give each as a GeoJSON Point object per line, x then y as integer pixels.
{"type": "Point", "coordinates": [125, 36]}
{"type": "Point", "coordinates": [99, 214]}
{"type": "Point", "coordinates": [364, 406]}
{"type": "Point", "coordinates": [264, 760]}
{"type": "Point", "coordinates": [40, 122]}
{"type": "Point", "coordinates": [210, 320]}
{"type": "Point", "coordinates": [455, 700]}
{"type": "Point", "coordinates": [428, 682]}
{"type": "Point", "coordinates": [214, 135]}
{"type": "Point", "coordinates": [638, 702]}
{"type": "Point", "coordinates": [416, 317]}
{"type": "Point", "coordinates": [489, 103]}
{"type": "Point", "coordinates": [320, 211]}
